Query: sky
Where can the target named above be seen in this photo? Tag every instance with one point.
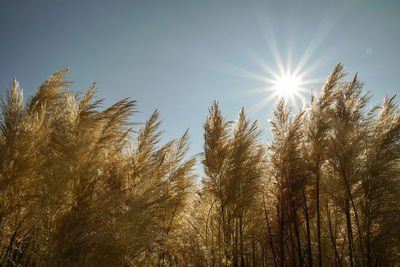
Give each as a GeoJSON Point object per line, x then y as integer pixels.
{"type": "Point", "coordinates": [179, 56]}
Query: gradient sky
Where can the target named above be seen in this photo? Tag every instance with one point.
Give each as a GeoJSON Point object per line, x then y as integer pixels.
{"type": "Point", "coordinates": [179, 56]}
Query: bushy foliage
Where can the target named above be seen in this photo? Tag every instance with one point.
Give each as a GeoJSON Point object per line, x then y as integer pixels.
{"type": "Point", "coordinates": [82, 185]}
{"type": "Point", "coordinates": [78, 186]}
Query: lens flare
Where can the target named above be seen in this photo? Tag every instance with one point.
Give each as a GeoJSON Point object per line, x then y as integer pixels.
{"type": "Point", "coordinates": [282, 81]}
{"type": "Point", "coordinates": [287, 86]}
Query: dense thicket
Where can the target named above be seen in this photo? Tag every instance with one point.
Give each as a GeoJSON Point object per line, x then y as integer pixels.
{"type": "Point", "coordinates": [81, 185]}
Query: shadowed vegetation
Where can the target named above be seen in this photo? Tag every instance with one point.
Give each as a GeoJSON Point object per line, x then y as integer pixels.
{"type": "Point", "coordinates": [82, 185]}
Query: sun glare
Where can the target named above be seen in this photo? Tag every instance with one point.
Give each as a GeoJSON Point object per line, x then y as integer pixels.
{"type": "Point", "coordinates": [284, 81]}
{"type": "Point", "coordinates": [288, 86]}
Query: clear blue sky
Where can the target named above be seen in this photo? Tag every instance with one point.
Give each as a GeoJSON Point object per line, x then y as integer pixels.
{"type": "Point", "coordinates": [179, 56]}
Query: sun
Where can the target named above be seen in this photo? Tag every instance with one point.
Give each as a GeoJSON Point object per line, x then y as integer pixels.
{"type": "Point", "coordinates": [287, 86]}
{"type": "Point", "coordinates": [287, 81]}
{"type": "Point", "coordinates": [283, 81]}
